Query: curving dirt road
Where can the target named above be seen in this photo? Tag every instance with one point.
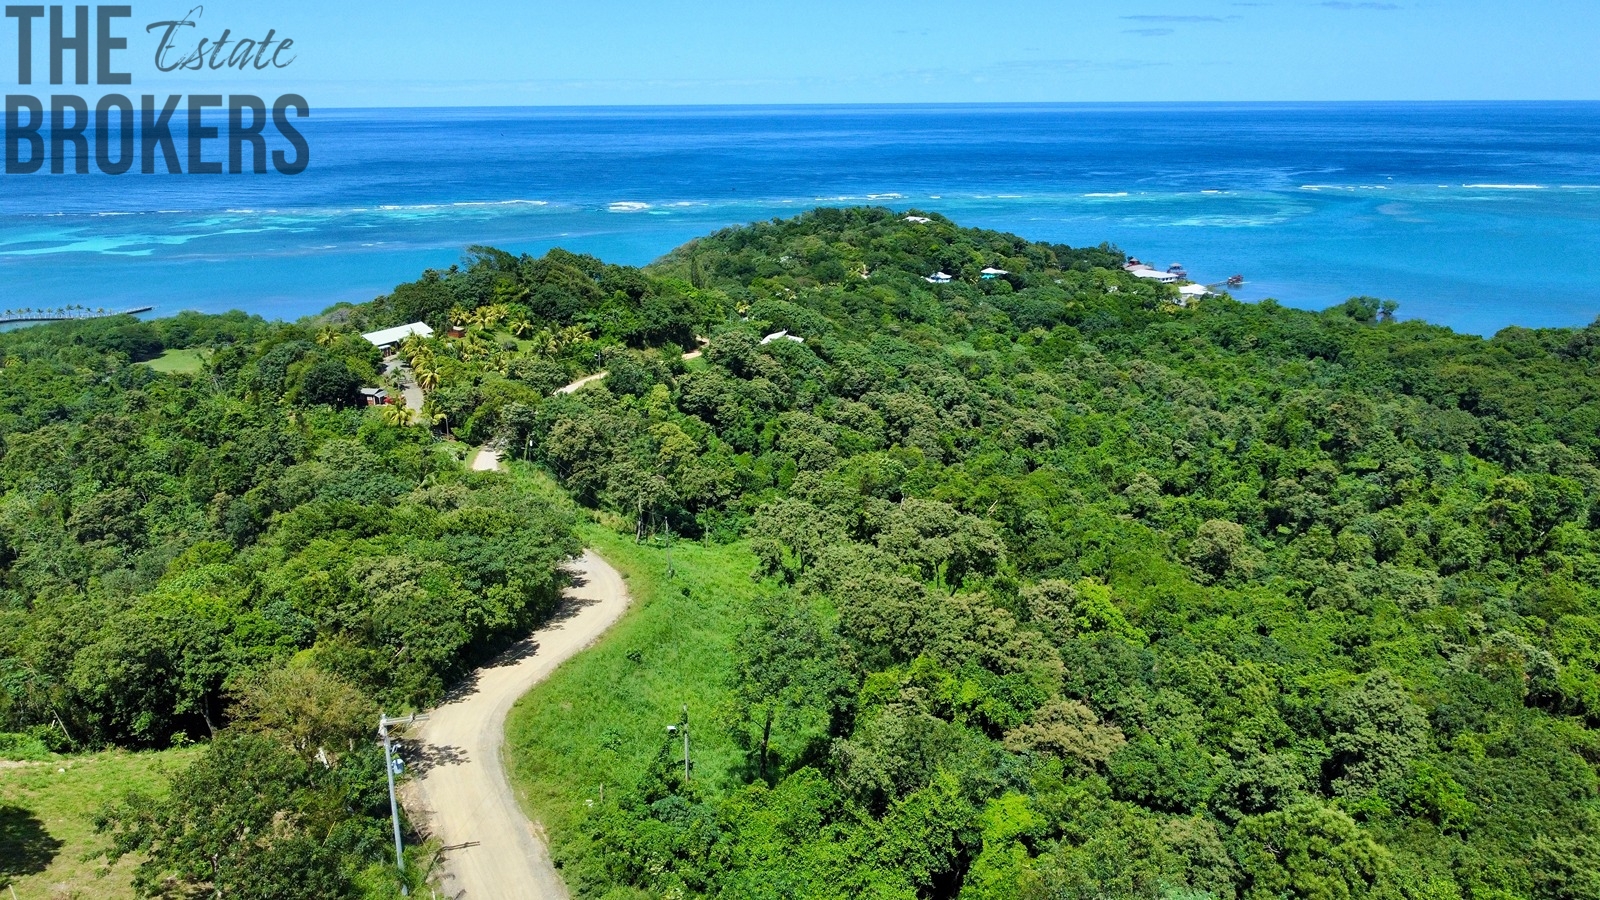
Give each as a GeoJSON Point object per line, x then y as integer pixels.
{"type": "Point", "coordinates": [598, 376]}
{"type": "Point", "coordinates": [460, 794]}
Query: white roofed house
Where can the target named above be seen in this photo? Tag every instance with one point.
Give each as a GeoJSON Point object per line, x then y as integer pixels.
{"type": "Point", "coordinates": [782, 336]}
{"type": "Point", "coordinates": [1189, 293]}
{"type": "Point", "coordinates": [939, 278]}
{"type": "Point", "coordinates": [992, 273]}
{"type": "Point", "coordinates": [389, 338]}
{"type": "Point", "coordinates": [1155, 275]}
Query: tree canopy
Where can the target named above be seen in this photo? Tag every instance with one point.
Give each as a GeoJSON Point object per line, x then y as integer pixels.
{"type": "Point", "coordinates": [1068, 589]}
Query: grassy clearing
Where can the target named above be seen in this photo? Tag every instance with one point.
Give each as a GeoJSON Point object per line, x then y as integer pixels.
{"type": "Point", "coordinates": [47, 821]}
{"type": "Point", "coordinates": [602, 718]}
{"type": "Point", "coordinates": [181, 362]}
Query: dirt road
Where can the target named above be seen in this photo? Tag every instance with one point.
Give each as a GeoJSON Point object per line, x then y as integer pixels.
{"type": "Point", "coordinates": [461, 794]}
{"type": "Point", "coordinates": [573, 387]}
{"type": "Point", "coordinates": [486, 460]}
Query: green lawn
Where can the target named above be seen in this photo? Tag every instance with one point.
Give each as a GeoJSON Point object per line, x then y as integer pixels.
{"type": "Point", "coordinates": [180, 362]}
{"type": "Point", "coordinates": [47, 821]}
{"type": "Point", "coordinates": [602, 718]}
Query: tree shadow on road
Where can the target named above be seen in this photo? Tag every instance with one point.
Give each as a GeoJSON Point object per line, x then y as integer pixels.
{"type": "Point", "coordinates": [26, 848]}
{"type": "Point", "coordinates": [568, 609]}
{"type": "Point", "coordinates": [570, 606]}
{"type": "Point", "coordinates": [422, 758]}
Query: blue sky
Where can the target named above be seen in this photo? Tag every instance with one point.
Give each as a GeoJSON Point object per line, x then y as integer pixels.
{"type": "Point", "coordinates": [556, 52]}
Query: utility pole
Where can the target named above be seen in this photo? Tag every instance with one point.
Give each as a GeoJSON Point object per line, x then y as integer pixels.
{"type": "Point", "coordinates": [384, 724]}
{"type": "Point", "coordinates": [671, 572]}
{"type": "Point", "coordinates": [683, 729]}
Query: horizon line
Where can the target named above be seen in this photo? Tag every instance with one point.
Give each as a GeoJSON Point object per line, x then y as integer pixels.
{"type": "Point", "coordinates": [973, 104]}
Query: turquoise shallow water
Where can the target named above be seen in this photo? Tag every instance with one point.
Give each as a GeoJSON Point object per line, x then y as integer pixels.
{"type": "Point", "coordinates": [1475, 216]}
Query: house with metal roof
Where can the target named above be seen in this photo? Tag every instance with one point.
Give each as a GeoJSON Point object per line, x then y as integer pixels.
{"type": "Point", "coordinates": [389, 338]}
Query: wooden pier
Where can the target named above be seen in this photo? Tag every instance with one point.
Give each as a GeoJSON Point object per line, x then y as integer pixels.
{"type": "Point", "coordinates": [66, 314]}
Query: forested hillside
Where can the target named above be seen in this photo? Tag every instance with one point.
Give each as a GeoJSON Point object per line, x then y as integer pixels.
{"type": "Point", "coordinates": [1076, 593]}
{"type": "Point", "coordinates": [1064, 590]}
{"type": "Point", "coordinates": [244, 557]}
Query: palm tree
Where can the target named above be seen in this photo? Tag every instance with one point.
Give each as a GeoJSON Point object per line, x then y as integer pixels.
{"type": "Point", "coordinates": [433, 416]}
{"type": "Point", "coordinates": [397, 416]}
{"type": "Point", "coordinates": [410, 347]}
{"type": "Point", "coordinates": [459, 317]}
{"type": "Point", "coordinates": [544, 343]}
{"type": "Point", "coordinates": [473, 346]}
{"type": "Point", "coordinates": [519, 326]}
{"type": "Point", "coordinates": [571, 336]}
{"type": "Point", "coordinates": [427, 378]}
{"type": "Point", "coordinates": [326, 336]}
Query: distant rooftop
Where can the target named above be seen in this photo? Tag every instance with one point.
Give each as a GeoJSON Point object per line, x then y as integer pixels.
{"type": "Point", "coordinates": [388, 337]}
{"type": "Point", "coordinates": [1152, 274]}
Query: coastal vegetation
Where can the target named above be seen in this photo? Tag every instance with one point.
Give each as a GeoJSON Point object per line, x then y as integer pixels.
{"type": "Point", "coordinates": [244, 558]}
{"type": "Point", "coordinates": [1038, 585]}
{"type": "Point", "coordinates": [1060, 590]}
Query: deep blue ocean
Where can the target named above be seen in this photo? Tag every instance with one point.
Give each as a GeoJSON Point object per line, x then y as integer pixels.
{"type": "Point", "coordinates": [1476, 216]}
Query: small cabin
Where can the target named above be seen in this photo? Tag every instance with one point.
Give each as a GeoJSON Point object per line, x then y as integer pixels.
{"type": "Point", "coordinates": [992, 273]}
{"type": "Point", "coordinates": [918, 220]}
{"type": "Point", "coordinates": [375, 396]}
{"type": "Point", "coordinates": [782, 336]}
{"type": "Point", "coordinates": [938, 278]}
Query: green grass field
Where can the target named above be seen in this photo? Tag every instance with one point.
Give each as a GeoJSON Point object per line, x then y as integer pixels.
{"type": "Point", "coordinates": [180, 362]}
{"type": "Point", "coordinates": [602, 718]}
{"type": "Point", "coordinates": [47, 821]}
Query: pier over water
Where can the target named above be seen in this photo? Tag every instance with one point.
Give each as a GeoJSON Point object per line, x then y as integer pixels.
{"type": "Point", "coordinates": [66, 314]}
